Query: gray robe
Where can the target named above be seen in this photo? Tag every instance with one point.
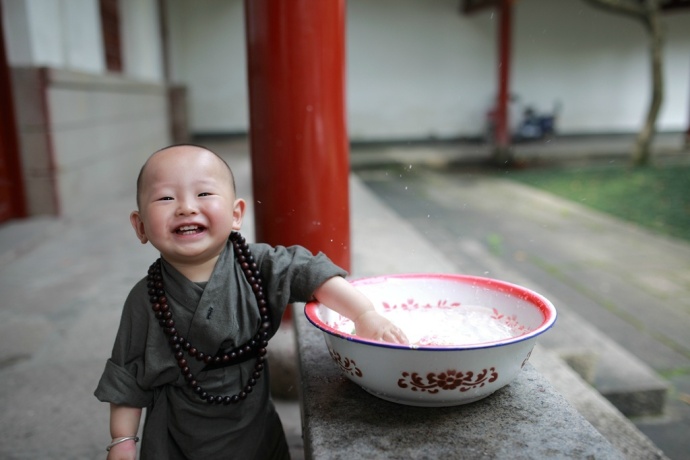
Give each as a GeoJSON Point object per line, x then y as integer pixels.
{"type": "Point", "coordinates": [142, 371]}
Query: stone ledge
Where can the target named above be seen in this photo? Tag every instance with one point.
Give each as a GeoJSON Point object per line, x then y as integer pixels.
{"type": "Point", "coordinates": [526, 419]}
{"type": "Point", "coordinates": [601, 413]}
{"type": "Point", "coordinates": [628, 383]}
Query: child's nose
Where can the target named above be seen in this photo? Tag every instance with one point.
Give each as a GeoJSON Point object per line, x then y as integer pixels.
{"type": "Point", "coordinates": [186, 207]}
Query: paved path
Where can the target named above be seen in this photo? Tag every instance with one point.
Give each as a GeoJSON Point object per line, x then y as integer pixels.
{"type": "Point", "coordinates": [63, 282]}
{"type": "Point", "coordinates": [630, 284]}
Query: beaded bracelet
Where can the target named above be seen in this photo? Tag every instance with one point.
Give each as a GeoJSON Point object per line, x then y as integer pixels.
{"type": "Point", "coordinates": [120, 440]}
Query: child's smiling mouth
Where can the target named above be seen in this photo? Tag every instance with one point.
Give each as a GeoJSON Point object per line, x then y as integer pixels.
{"type": "Point", "coordinates": [189, 229]}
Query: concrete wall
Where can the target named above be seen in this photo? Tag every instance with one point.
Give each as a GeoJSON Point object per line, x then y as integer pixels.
{"type": "Point", "coordinates": [597, 64]}
{"type": "Point", "coordinates": [83, 138]}
{"type": "Point", "coordinates": [416, 70]}
{"type": "Point", "coordinates": [58, 33]}
{"type": "Point", "coordinates": [83, 133]}
{"type": "Point", "coordinates": [142, 48]}
{"type": "Point", "coordinates": [207, 50]}
{"type": "Point", "coordinates": [419, 69]}
{"type": "Point", "coordinates": [66, 34]}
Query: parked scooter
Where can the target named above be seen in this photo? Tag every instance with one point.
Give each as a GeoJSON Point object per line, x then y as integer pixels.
{"type": "Point", "coordinates": [526, 124]}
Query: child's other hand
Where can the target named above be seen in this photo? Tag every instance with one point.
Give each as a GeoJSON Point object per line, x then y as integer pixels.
{"type": "Point", "coordinates": [124, 451]}
{"type": "Point", "coordinates": [371, 325]}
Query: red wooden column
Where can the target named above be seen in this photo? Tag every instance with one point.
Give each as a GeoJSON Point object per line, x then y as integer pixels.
{"type": "Point", "coordinates": [505, 12]}
{"type": "Point", "coordinates": [12, 197]}
{"type": "Point", "coordinates": [299, 144]}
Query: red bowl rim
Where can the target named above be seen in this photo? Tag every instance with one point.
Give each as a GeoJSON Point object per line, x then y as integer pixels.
{"type": "Point", "coordinates": [545, 306]}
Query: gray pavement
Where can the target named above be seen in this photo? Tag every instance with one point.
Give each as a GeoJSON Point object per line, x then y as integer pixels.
{"type": "Point", "coordinates": [621, 291]}
{"type": "Point", "coordinates": [63, 282]}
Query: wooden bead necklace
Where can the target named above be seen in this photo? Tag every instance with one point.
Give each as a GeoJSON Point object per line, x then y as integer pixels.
{"type": "Point", "coordinates": [256, 346]}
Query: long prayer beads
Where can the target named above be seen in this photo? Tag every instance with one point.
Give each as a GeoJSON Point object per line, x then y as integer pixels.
{"type": "Point", "coordinates": [180, 345]}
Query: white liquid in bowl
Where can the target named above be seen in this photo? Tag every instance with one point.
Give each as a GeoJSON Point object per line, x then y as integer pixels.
{"type": "Point", "coordinates": [443, 326]}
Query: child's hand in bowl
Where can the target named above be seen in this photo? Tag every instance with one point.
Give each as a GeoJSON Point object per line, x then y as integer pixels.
{"type": "Point", "coordinates": [371, 325]}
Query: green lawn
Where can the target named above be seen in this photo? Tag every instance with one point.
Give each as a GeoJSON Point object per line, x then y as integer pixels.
{"type": "Point", "coordinates": [657, 197]}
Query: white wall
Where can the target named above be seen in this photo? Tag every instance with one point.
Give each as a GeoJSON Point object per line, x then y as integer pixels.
{"type": "Point", "coordinates": [84, 137]}
{"type": "Point", "coordinates": [675, 113]}
{"type": "Point", "coordinates": [588, 59]}
{"type": "Point", "coordinates": [415, 68]}
{"type": "Point", "coordinates": [208, 55]}
{"type": "Point", "coordinates": [597, 64]}
{"type": "Point", "coordinates": [57, 33]}
{"type": "Point", "coordinates": [101, 132]}
{"type": "Point", "coordinates": [83, 133]}
{"type": "Point", "coordinates": [83, 40]}
{"type": "Point", "coordinates": [66, 34]}
{"type": "Point", "coordinates": [419, 69]}
{"type": "Point", "coordinates": [142, 49]}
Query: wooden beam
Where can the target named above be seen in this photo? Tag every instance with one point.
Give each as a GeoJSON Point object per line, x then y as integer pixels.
{"type": "Point", "coordinates": [675, 5]}
{"type": "Point", "coordinates": [472, 6]}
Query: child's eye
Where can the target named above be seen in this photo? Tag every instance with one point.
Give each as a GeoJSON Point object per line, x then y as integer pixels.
{"type": "Point", "coordinates": [204, 194]}
{"type": "Point", "coordinates": [165, 198]}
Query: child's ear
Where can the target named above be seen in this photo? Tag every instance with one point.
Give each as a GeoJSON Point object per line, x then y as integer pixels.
{"type": "Point", "coordinates": [138, 226]}
{"type": "Point", "coordinates": [238, 213]}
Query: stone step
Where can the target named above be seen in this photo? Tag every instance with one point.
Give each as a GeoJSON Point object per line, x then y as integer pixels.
{"type": "Point", "coordinates": [595, 357]}
{"type": "Point", "coordinates": [626, 382]}
{"type": "Point", "coordinates": [602, 414]}
{"type": "Point", "coordinates": [598, 410]}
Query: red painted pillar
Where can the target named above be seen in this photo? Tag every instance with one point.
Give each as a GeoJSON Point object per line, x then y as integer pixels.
{"type": "Point", "coordinates": [504, 55]}
{"type": "Point", "coordinates": [12, 197]}
{"type": "Point", "coordinates": [298, 135]}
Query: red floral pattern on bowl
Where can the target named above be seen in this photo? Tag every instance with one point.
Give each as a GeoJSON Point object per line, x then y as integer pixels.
{"type": "Point", "coordinates": [346, 365]}
{"type": "Point", "coordinates": [437, 375]}
{"type": "Point", "coordinates": [448, 380]}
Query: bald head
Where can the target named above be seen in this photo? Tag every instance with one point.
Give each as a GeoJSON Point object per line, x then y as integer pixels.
{"type": "Point", "coordinates": [168, 154]}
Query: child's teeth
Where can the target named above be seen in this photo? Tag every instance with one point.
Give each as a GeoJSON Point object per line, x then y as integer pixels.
{"type": "Point", "coordinates": [188, 229]}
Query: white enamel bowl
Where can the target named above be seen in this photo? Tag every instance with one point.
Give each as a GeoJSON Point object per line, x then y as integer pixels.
{"type": "Point", "coordinates": [439, 375]}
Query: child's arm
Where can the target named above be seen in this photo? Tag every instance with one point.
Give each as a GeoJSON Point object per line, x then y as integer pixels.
{"type": "Point", "coordinates": [340, 296]}
{"type": "Point", "coordinates": [124, 421]}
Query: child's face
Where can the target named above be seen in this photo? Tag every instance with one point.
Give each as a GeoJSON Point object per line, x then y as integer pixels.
{"type": "Point", "coordinates": [187, 205]}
